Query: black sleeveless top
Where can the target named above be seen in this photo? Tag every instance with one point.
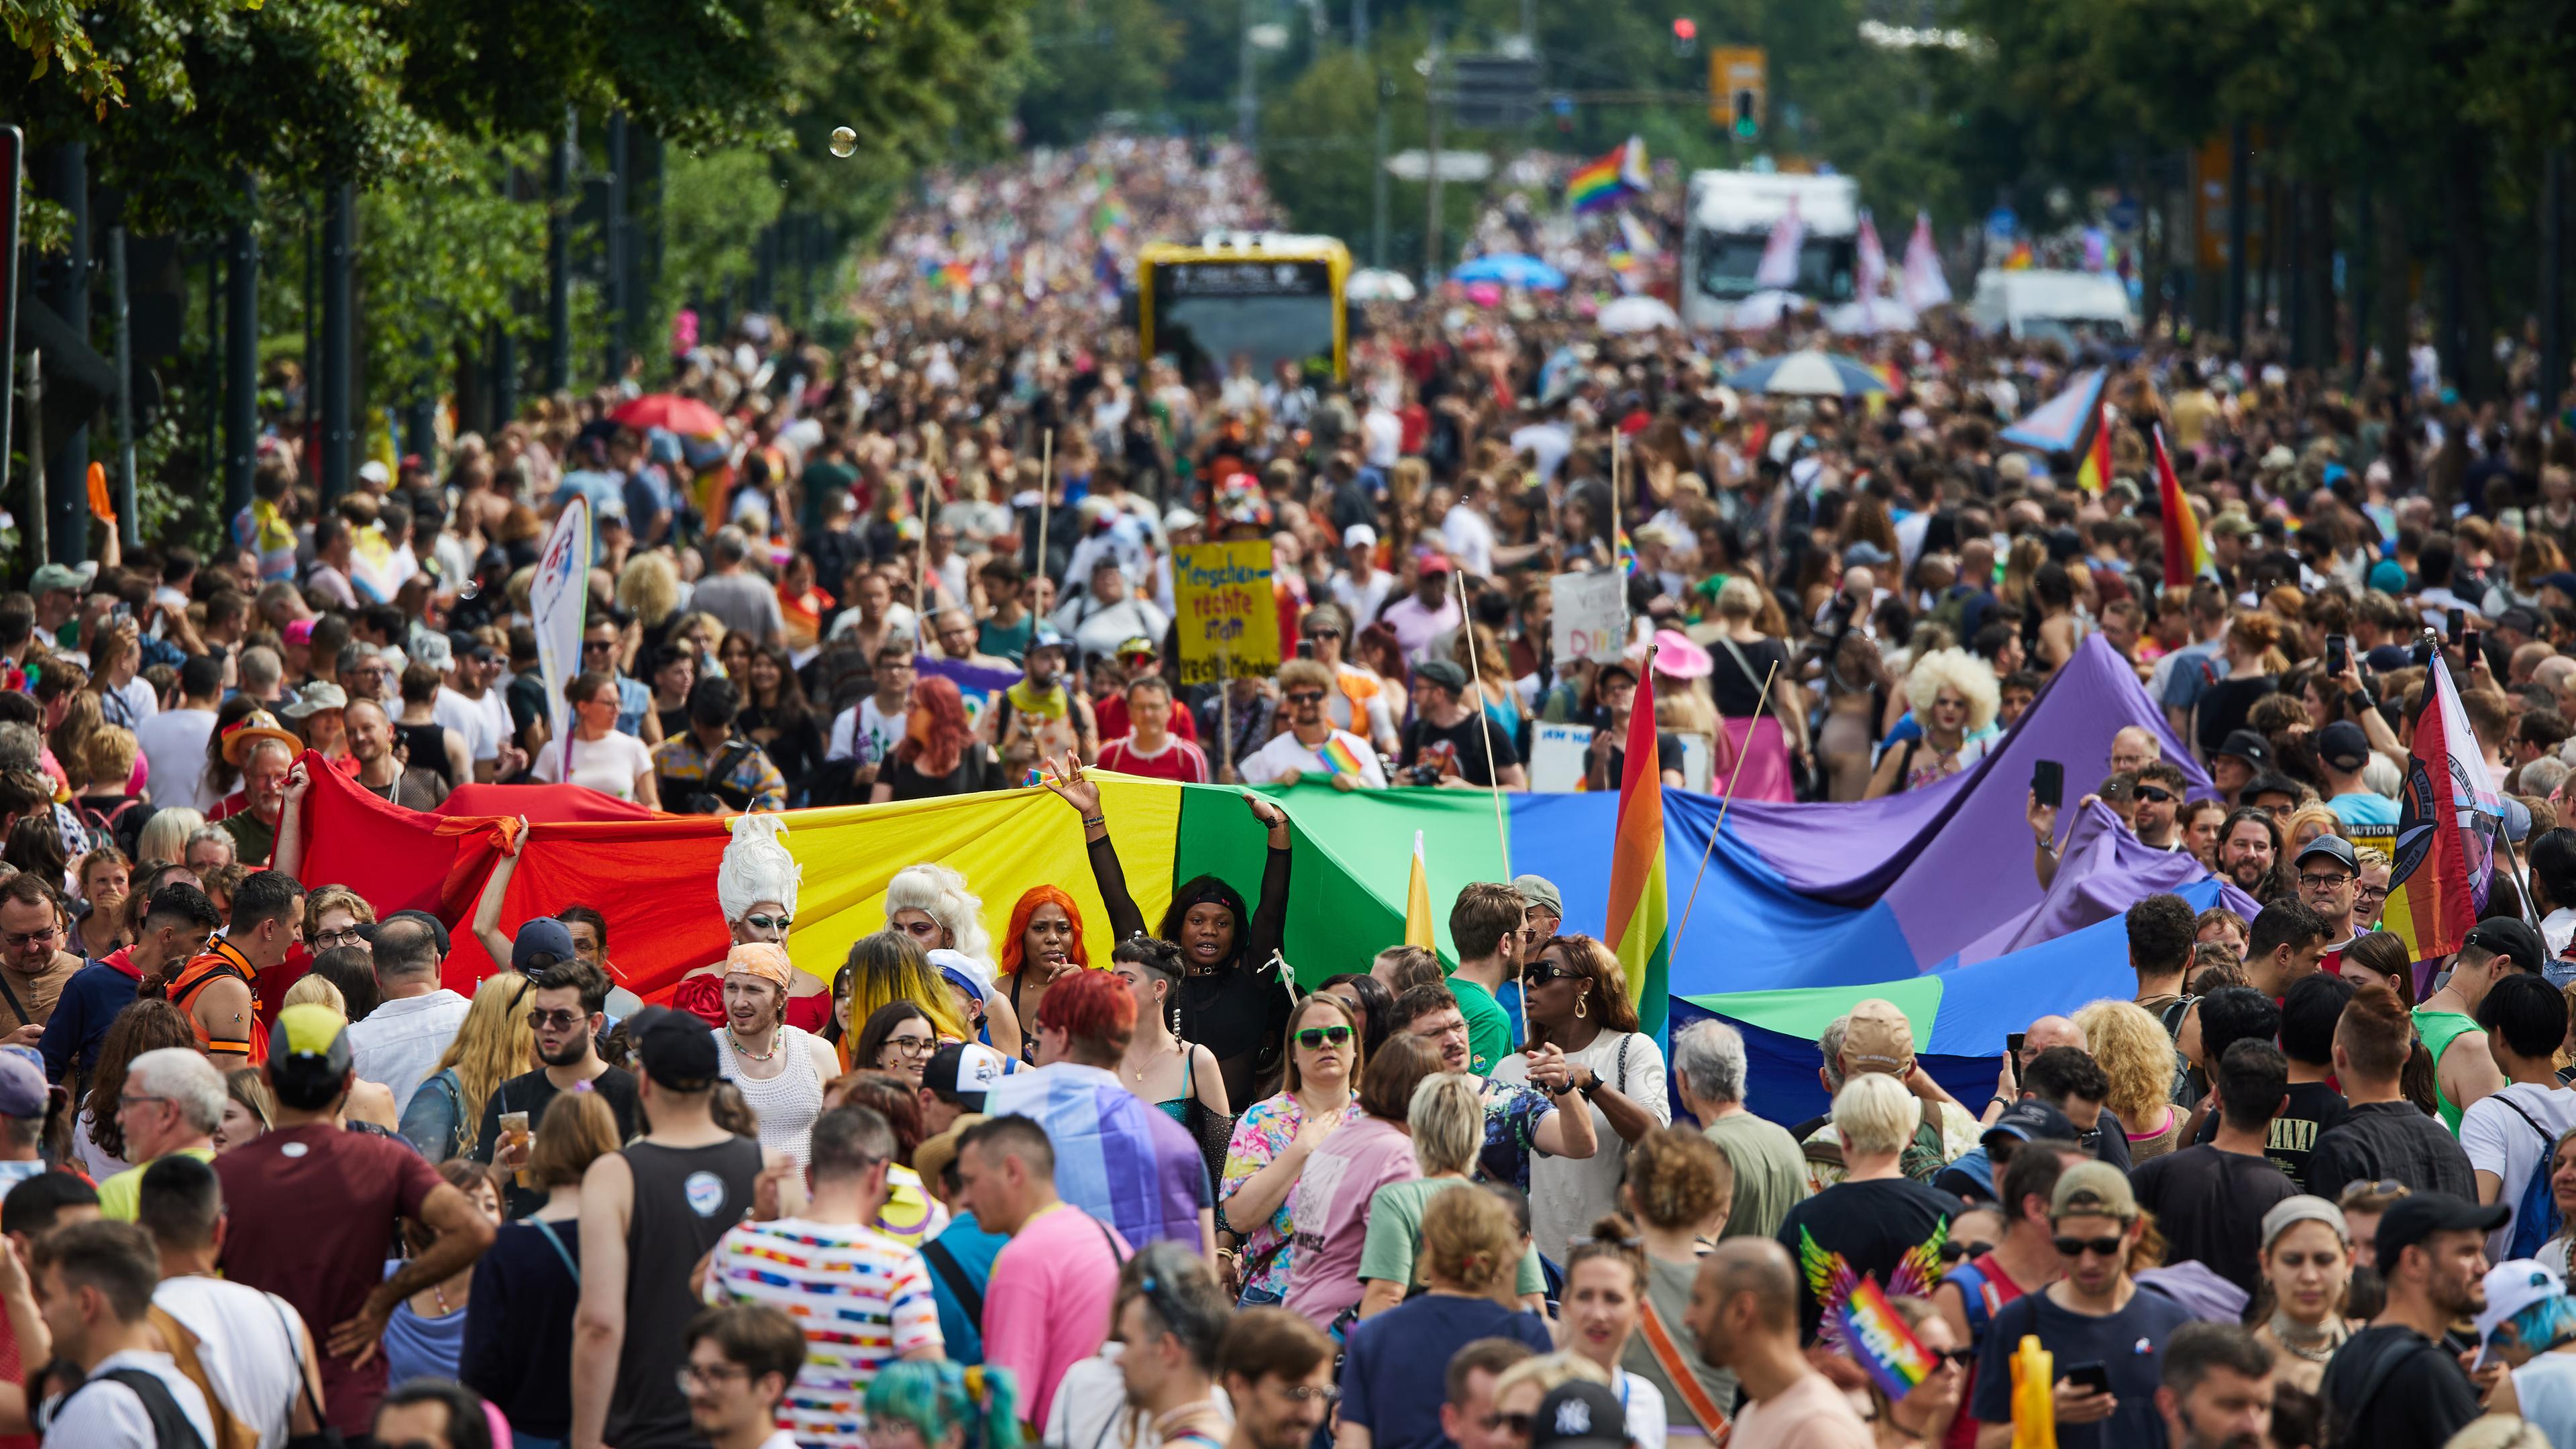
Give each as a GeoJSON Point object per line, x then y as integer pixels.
{"type": "Point", "coordinates": [426, 747]}
{"type": "Point", "coordinates": [685, 1198]}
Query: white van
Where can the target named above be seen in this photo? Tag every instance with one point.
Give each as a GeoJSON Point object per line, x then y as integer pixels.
{"type": "Point", "coordinates": [2065, 307]}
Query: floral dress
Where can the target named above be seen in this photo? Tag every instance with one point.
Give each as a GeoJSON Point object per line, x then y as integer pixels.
{"type": "Point", "coordinates": [1263, 1133]}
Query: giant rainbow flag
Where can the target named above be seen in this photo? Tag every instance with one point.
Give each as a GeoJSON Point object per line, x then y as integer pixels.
{"type": "Point", "coordinates": [1925, 897]}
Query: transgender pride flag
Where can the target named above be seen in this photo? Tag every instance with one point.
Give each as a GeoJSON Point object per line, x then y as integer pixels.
{"type": "Point", "coordinates": [1117, 1157]}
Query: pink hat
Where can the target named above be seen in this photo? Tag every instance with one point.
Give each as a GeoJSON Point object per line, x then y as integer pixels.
{"type": "Point", "coordinates": [300, 632]}
{"type": "Point", "coordinates": [1676, 657]}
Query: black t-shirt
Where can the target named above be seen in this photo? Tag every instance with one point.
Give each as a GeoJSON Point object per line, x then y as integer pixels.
{"type": "Point", "coordinates": [2391, 1140]}
{"type": "Point", "coordinates": [2129, 1344]}
{"type": "Point", "coordinates": [1871, 1227]}
{"type": "Point", "coordinates": [2224, 705]}
{"type": "Point", "coordinates": [2313, 1108]}
{"type": "Point", "coordinates": [1463, 744]}
{"type": "Point", "coordinates": [1737, 693]}
{"type": "Point", "coordinates": [530, 1092]}
{"type": "Point", "coordinates": [976, 770]}
{"type": "Point", "coordinates": [2209, 1205]}
{"type": "Point", "coordinates": [2390, 1387]}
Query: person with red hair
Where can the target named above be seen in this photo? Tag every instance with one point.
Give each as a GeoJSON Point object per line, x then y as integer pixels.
{"type": "Point", "coordinates": [1044, 944]}
{"type": "Point", "coordinates": [940, 755]}
{"type": "Point", "coordinates": [1158, 1188]}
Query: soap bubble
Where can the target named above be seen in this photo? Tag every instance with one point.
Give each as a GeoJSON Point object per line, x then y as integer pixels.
{"type": "Point", "coordinates": [844, 140]}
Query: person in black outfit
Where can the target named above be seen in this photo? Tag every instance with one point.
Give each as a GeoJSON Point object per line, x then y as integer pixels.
{"type": "Point", "coordinates": [2383, 1137]}
{"type": "Point", "coordinates": [1231, 1001]}
{"type": "Point", "coordinates": [2312, 1108]}
{"type": "Point", "coordinates": [939, 755]}
{"type": "Point", "coordinates": [2397, 1384]}
{"type": "Point", "coordinates": [2209, 1199]}
{"type": "Point", "coordinates": [1450, 739]}
{"type": "Point", "coordinates": [776, 716]}
{"type": "Point", "coordinates": [1877, 1222]}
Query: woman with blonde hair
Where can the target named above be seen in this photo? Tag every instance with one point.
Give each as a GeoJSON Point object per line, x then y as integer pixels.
{"type": "Point", "coordinates": [2307, 1274]}
{"type": "Point", "coordinates": [890, 966]}
{"type": "Point", "coordinates": [1445, 1117]}
{"type": "Point", "coordinates": [1925, 1414]}
{"type": "Point", "coordinates": [165, 835]}
{"type": "Point", "coordinates": [649, 589]}
{"type": "Point", "coordinates": [756, 886]}
{"type": "Point", "coordinates": [1275, 1136]}
{"type": "Point", "coordinates": [2134, 1052]}
{"type": "Point", "coordinates": [930, 903]}
{"type": "Point", "coordinates": [1605, 1295]}
{"type": "Point", "coordinates": [1742, 655]}
{"type": "Point", "coordinates": [1955, 699]}
{"type": "Point", "coordinates": [2309, 822]}
{"type": "Point", "coordinates": [493, 1044]}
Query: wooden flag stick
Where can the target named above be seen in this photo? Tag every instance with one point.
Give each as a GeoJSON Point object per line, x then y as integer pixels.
{"type": "Point", "coordinates": [1485, 723]}
{"type": "Point", "coordinates": [1732, 776]}
{"type": "Point", "coordinates": [1046, 484]}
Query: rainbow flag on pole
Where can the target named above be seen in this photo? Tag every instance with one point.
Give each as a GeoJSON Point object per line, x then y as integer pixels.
{"type": "Point", "coordinates": [2449, 817]}
{"type": "Point", "coordinates": [1339, 758]}
{"type": "Point", "coordinates": [1637, 932]}
{"type": "Point", "coordinates": [2185, 555]}
{"type": "Point", "coordinates": [1610, 179]}
{"type": "Point", "coordinates": [2094, 473]}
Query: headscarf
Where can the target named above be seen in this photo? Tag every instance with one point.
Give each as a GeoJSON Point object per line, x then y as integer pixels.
{"type": "Point", "coordinates": [1016, 945]}
{"type": "Point", "coordinates": [1208, 890]}
{"type": "Point", "coordinates": [766, 960]}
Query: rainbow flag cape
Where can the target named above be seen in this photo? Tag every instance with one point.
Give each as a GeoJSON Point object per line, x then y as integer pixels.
{"type": "Point", "coordinates": [1610, 179]}
{"type": "Point", "coordinates": [2093, 474]}
{"type": "Point", "coordinates": [1119, 1157]}
{"type": "Point", "coordinates": [1881, 1343]}
{"type": "Point", "coordinates": [1636, 932]}
{"type": "Point", "coordinates": [2185, 555]}
{"type": "Point", "coordinates": [2449, 817]}
{"type": "Point", "coordinates": [1418, 927]}
{"type": "Point", "coordinates": [1340, 758]}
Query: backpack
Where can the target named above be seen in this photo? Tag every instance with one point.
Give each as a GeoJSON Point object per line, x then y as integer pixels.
{"type": "Point", "coordinates": [170, 1426]}
{"type": "Point", "coordinates": [230, 1432]}
{"type": "Point", "coordinates": [2535, 1218]}
{"type": "Point", "coordinates": [1922, 1159]}
{"type": "Point", "coordinates": [102, 825]}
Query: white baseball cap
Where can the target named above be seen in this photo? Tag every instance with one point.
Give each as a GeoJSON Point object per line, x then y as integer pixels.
{"type": "Point", "coordinates": [2511, 1288]}
{"type": "Point", "coordinates": [971, 975]}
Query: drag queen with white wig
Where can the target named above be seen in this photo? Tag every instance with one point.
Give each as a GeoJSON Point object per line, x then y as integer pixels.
{"type": "Point", "coordinates": [930, 903]}
{"type": "Point", "coordinates": [756, 889]}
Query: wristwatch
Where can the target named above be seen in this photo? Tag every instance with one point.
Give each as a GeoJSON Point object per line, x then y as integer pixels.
{"type": "Point", "coordinates": [1560, 1089]}
{"type": "Point", "coordinates": [1591, 1084]}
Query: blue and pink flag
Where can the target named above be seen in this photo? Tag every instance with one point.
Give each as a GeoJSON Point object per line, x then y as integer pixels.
{"type": "Point", "coordinates": [1118, 1157]}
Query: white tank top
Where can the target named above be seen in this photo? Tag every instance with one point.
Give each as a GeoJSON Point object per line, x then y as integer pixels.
{"type": "Point", "coordinates": [787, 1103]}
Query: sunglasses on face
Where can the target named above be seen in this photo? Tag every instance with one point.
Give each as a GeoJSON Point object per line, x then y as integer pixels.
{"type": "Point", "coordinates": [1315, 1037]}
{"type": "Point", "coordinates": [760, 922]}
{"type": "Point", "coordinates": [1955, 1251]}
{"type": "Point", "coordinates": [1955, 1357]}
{"type": "Point", "coordinates": [2110, 1247]}
{"type": "Point", "coordinates": [558, 1020]}
{"type": "Point", "coordinates": [2154, 794]}
{"type": "Point", "coordinates": [1305, 696]}
{"type": "Point", "coordinates": [1543, 973]}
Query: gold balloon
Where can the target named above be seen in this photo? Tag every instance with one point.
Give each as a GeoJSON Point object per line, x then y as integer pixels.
{"type": "Point", "coordinates": [844, 140]}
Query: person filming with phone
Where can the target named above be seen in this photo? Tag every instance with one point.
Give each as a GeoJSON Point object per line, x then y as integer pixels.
{"type": "Point", "coordinates": [2105, 1336]}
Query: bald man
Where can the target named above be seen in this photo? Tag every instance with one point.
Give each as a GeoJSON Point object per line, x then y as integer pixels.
{"type": "Point", "coordinates": [2046, 1032]}
{"type": "Point", "coordinates": [1744, 1313]}
{"type": "Point", "coordinates": [2134, 748]}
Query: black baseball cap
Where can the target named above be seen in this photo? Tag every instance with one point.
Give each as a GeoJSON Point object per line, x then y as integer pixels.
{"type": "Point", "coordinates": [2248, 746]}
{"type": "Point", "coordinates": [2417, 1216]}
{"type": "Point", "coordinates": [2334, 847]}
{"type": "Point", "coordinates": [2031, 1120]}
{"type": "Point", "coordinates": [1579, 1415]}
{"type": "Point", "coordinates": [676, 1049]}
{"type": "Point", "coordinates": [2509, 936]}
{"type": "Point", "coordinates": [2343, 745]}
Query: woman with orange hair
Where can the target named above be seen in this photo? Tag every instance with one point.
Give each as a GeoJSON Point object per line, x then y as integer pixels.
{"type": "Point", "coordinates": [1045, 942]}
{"type": "Point", "coordinates": [940, 755]}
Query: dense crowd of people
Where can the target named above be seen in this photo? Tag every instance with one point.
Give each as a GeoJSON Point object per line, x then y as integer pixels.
{"type": "Point", "coordinates": [269, 1182]}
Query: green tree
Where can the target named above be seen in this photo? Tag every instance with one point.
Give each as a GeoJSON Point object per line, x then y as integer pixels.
{"type": "Point", "coordinates": [1089, 58]}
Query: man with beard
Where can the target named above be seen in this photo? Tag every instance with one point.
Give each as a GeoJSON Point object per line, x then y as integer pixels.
{"type": "Point", "coordinates": [2249, 847]}
{"type": "Point", "coordinates": [371, 744]}
{"type": "Point", "coordinates": [2158, 794]}
{"type": "Point", "coordinates": [1278, 1374]}
{"type": "Point", "coordinates": [1307, 746]}
{"type": "Point", "coordinates": [1043, 716]}
{"type": "Point", "coordinates": [1170, 1327]}
{"type": "Point", "coordinates": [565, 1009]}
{"type": "Point", "coordinates": [781, 1069]}
{"type": "Point", "coordinates": [1744, 1314]}
{"type": "Point", "coordinates": [2217, 1391]}
{"type": "Point", "coordinates": [2394, 1383]}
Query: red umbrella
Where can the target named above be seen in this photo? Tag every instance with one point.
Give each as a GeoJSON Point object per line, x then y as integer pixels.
{"type": "Point", "coordinates": [685, 416]}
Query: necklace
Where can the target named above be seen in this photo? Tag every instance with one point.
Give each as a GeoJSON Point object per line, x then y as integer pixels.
{"type": "Point", "coordinates": [2315, 1345]}
{"type": "Point", "coordinates": [746, 1053]}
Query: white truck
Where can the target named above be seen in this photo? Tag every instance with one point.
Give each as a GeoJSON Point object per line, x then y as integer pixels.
{"type": "Point", "coordinates": [1732, 214]}
{"type": "Point", "coordinates": [2068, 308]}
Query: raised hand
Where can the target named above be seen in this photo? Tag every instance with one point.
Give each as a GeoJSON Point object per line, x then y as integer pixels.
{"type": "Point", "coordinates": [1070, 785]}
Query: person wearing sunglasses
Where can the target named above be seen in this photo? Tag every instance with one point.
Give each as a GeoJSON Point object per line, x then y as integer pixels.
{"type": "Point", "coordinates": [2095, 1315]}
{"type": "Point", "coordinates": [1927, 1411]}
{"type": "Point", "coordinates": [564, 1012]}
{"type": "Point", "coordinates": [2157, 805]}
{"type": "Point", "coordinates": [1576, 998]}
{"type": "Point", "coordinates": [1278, 1134]}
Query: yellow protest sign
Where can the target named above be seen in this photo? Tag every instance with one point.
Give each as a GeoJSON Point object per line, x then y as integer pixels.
{"type": "Point", "coordinates": [1228, 622]}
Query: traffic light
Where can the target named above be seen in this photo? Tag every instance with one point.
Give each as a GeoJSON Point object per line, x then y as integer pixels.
{"type": "Point", "coordinates": [1685, 36]}
{"type": "Point", "coordinates": [1748, 114]}
{"type": "Point", "coordinates": [1739, 83]}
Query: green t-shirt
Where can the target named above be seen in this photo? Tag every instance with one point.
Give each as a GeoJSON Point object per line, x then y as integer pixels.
{"type": "Point", "coordinates": [1489, 1027]}
{"type": "Point", "coordinates": [1770, 1173]}
{"type": "Point", "coordinates": [1006, 641]}
{"type": "Point", "coordinates": [121, 1196]}
{"type": "Point", "coordinates": [1394, 1242]}
{"type": "Point", "coordinates": [2439, 1029]}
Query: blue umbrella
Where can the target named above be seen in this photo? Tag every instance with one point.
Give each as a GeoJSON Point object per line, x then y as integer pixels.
{"type": "Point", "coordinates": [1808, 374]}
{"type": "Point", "coordinates": [1511, 269]}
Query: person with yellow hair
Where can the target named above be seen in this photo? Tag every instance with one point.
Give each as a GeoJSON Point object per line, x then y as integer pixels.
{"type": "Point", "coordinates": [1955, 700]}
{"type": "Point", "coordinates": [887, 967]}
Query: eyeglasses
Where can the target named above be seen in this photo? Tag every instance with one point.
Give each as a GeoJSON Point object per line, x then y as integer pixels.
{"type": "Point", "coordinates": [131, 1099]}
{"type": "Point", "coordinates": [2154, 794]}
{"type": "Point", "coordinates": [1312, 1393]}
{"type": "Point", "coordinates": [559, 1020]}
{"type": "Point", "coordinates": [911, 1046]}
{"type": "Point", "coordinates": [345, 936]}
{"type": "Point", "coordinates": [2373, 893]}
{"type": "Point", "coordinates": [690, 1375]}
{"type": "Point", "coordinates": [1520, 1425]}
{"type": "Point", "coordinates": [21, 940]}
{"type": "Point", "coordinates": [768, 923]}
{"type": "Point", "coordinates": [2322, 882]}
{"type": "Point", "coordinates": [1961, 1357]}
{"type": "Point", "coordinates": [1304, 696]}
{"type": "Point", "coordinates": [1315, 1037]}
{"type": "Point", "coordinates": [588, 645]}
{"type": "Point", "coordinates": [2110, 1247]}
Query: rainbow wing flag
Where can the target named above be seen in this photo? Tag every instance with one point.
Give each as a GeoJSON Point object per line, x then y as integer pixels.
{"type": "Point", "coordinates": [2185, 555]}
{"type": "Point", "coordinates": [1339, 758]}
{"type": "Point", "coordinates": [2094, 473]}
{"type": "Point", "coordinates": [1637, 932]}
{"type": "Point", "coordinates": [2448, 818]}
{"type": "Point", "coordinates": [1881, 1343]}
{"type": "Point", "coordinates": [1610, 179]}
{"type": "Point", "coordinates": [1417, 902]}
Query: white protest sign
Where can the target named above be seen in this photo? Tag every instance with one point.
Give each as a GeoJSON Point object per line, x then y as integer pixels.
{"type": "Point", "coordinates": [1590, 617]}
{"type": "Point", "coordinates": [1557, 756]}
{"type": "Point", "coordinates": [557, 595]}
